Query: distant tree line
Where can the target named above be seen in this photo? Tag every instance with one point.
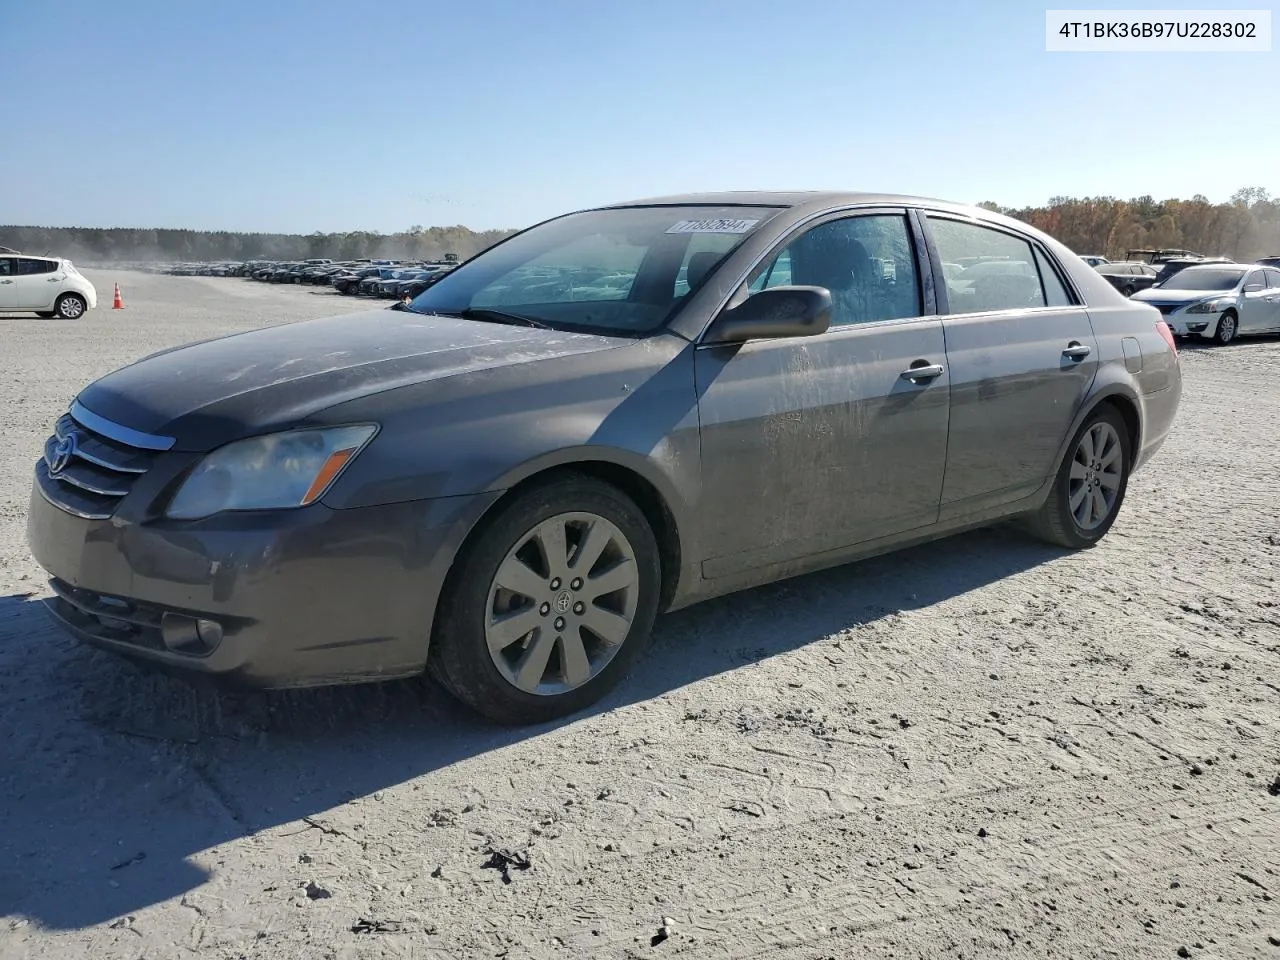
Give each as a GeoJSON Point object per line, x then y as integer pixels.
{"type": "Point", "coordinates": [127, 244]}
{"type": "Point", "coordinates": [1244, 228]}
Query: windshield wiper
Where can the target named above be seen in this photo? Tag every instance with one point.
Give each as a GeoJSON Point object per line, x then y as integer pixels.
{"type": "Point", "coordinates": [498, 316]}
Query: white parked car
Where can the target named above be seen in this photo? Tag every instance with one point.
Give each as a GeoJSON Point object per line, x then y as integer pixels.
{"type": "Point", "coordinates": [1218, 301]}
{"type": "Point", "coordinates": [47, 286]}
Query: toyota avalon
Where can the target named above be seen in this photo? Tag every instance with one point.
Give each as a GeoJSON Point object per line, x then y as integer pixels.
{"type": "Point", "coordinates": [613, 413]}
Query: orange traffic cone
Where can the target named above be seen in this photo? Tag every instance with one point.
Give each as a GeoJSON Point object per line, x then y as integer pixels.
{"type": "Point", "coordinates": [118, 303]}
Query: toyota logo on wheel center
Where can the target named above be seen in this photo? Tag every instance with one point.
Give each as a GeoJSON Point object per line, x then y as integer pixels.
{"type": "Point", "coordinates": [564, 600]}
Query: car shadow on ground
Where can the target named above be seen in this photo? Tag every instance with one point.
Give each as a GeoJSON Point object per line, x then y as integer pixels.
{"type": "Point", "coordinates": [112, 777]}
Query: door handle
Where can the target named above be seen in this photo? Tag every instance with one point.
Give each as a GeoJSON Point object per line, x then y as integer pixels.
{"type": "Point", "coordinates": [924, 371]}
{"type": "Point", "coordinates": [6, 281]}
{"type": "Point", "coordinates": [1077, 351]}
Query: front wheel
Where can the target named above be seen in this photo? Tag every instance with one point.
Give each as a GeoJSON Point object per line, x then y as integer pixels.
{"type": "Point", "coordinates": [551, 604]}
{"type": "Point", "coordinates": [1228, 327]}
{"type": "Point", "coordinates": [1090, 485]}
{"type": "Point", "coordinates": [70, 306]}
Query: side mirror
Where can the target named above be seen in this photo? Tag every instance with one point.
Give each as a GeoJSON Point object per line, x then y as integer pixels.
{"type": "Point", "coordinates": [1253, 288]}
{"type": "Point", "coordinates": [778, 312]}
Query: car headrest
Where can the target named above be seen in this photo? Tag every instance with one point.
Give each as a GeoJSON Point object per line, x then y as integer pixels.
{"type": "Point", "coordinates": [699, 265]}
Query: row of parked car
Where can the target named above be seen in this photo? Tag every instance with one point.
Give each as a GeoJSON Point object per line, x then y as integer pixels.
{"type": "Point", "coordinates": [1210, 298]}
{"type": "Point", "coordinates": [387, 279]}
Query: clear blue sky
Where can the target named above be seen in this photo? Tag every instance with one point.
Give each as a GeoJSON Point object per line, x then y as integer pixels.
{"type": "Point", "coordinates": [285, 115]}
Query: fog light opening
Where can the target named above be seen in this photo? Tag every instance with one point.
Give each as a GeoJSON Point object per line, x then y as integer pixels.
{"type": "Point", "coordinates": [189, 635]}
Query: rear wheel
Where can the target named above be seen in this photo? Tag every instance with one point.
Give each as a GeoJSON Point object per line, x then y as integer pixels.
{"type": "Point", "coordinates": [70, 306]}
{"type": "Point", "coordinates": [1090, 485]}
{"type": "Point", "coordinates": [1228, 327]}
{"type": "Point", "coordinates": [551, 604]}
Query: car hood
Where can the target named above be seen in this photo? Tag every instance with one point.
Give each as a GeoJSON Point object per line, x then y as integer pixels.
{"type": "Point", "coordinates": [211, 392]}
{"type": "Point", "coordinates": [1160, 295]}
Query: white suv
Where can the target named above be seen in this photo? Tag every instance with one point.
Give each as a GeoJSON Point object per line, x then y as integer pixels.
{"type": "Point", "coordinates": [47, 286]}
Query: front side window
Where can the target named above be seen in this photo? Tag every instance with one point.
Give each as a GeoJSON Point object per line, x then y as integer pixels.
{"type": "Point", "coordinates": [6, 267]}
{"type": "Point", "coordinates": [1000, 270]}
{"type": "Point", "coordinates": [624, 270]}
{"type": "Point", "coordinates": [867, 262]}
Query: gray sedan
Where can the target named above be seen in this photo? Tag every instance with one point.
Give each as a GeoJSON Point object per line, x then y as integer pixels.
{"type": "Point", "coordinates": [616, 412]}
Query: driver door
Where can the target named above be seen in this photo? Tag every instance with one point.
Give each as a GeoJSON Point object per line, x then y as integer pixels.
{"type": "Point", "coordinates": [1260, 302]}
{"type": "Point", "coordinates": [815, 443]}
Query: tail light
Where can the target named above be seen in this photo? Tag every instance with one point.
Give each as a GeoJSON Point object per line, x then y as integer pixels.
{"type": "Point", "coordinates": [1162, 328]}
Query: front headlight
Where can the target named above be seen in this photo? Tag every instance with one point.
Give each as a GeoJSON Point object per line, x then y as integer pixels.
{"type": "Point", "coordinates": [279, 470]}
{"type": "Point", "coordinates": [1209, 306]}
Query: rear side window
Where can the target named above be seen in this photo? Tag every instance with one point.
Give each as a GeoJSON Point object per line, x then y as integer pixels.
{"type": "Point", "coordinates": [1055, 293]}
{"type": "Point", "coordinates": [29, 267]}
{"type": "Point", "coordinates": [1273, 279]}
{"type": "Point", "coordinates": [1001, 271]}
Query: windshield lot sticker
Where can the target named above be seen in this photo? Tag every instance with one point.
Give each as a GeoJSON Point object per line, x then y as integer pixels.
{"type": "Point", "coordinates": [712, 226]}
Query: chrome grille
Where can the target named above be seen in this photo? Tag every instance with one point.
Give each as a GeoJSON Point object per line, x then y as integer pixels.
{"type": "Point", "coordinates": [89, 466]}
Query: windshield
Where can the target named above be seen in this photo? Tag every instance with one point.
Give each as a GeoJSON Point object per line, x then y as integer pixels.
{"type": "Point", "coordinates": [1203, 278]}
{"type": "Point", "coordinates": [622, 270]}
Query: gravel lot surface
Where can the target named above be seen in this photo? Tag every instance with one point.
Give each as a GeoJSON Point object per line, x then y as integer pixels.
{"type": "Point", "coordinates": [981, 747]}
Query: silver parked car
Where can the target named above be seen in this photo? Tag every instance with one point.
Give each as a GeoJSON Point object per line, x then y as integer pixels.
{"type": "Point", "coordinates": [616, 412]}
{"type": "Point", "coordinates": [1218, 301]}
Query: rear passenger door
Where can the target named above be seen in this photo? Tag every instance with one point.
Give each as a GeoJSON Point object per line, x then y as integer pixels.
{"type": "Point", "coordinates": [31, 284]}
{"type": "Point", "coordinates": [1022, 356]}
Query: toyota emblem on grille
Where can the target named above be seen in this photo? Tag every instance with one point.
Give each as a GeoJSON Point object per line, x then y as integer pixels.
{"type": "Point", "coordinates": [62, 454]}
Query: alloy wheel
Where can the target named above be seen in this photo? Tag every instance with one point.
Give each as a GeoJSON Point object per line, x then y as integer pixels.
{"type": "Point", "coordinates": [1096, 474]}
{"type": "Point", "coordinates": [562, 603]}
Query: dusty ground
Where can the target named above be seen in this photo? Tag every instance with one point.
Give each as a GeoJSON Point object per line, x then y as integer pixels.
{"type": "Point", "coordinates": [976, 748]}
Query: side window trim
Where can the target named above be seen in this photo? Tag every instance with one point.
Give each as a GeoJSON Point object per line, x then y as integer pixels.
{"type": "Point", "coordinates": [944, 302]}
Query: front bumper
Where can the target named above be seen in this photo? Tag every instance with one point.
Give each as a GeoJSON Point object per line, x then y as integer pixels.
{"type": "Point", "coordinates": [1184, 324]}
{"type": "Point", "coordinates": [304, 597]}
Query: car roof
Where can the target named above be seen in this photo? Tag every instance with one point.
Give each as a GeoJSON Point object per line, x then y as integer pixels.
{"type": "Point", "coordinates": [783, 198]}
{"type": "Point", "coordinates": [1218, 266]}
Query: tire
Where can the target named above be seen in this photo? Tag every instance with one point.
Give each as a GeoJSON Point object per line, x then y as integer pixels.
{"type": "Point", "coordinates": [1228, 327]}
{"type": "Point", "coordinates": [70, 306]}
{"type": "Point", "coordinates": [1056, 522]}
{"type": "Point", "coordinates": [527, 680]}
{"type": "Point", "coordinates": [1128, 291]}
{"type": "Point", "coordinates": [44, 314]}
